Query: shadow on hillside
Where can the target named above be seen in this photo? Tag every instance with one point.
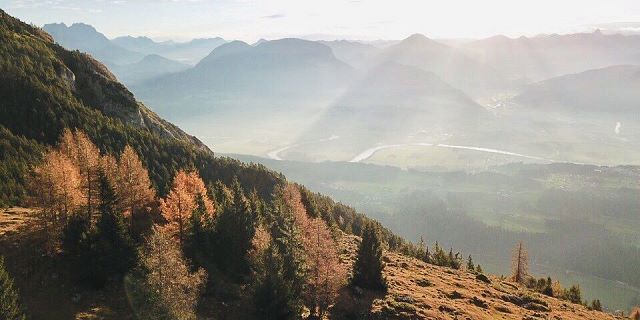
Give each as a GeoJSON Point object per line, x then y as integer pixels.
{"type": "Point", "coordinates": [45, 282]}
{"type": "Point", "coordinates": [351, 304]}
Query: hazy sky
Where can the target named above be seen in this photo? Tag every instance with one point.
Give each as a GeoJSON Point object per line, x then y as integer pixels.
{"type": "Point", "coordinates": [349, 19]}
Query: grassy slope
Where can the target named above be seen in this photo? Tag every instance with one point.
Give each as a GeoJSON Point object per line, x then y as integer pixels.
{"type": "Point", "coordinates": [421, 291]}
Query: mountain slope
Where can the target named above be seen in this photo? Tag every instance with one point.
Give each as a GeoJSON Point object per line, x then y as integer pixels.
{"type": "Point", "coordinates": [391, 103]}
{"type": "Point", "coordinates": [49, 88]}
{"type": "Point", "coordinates": [356, 54]}
{"type": "Point", "coordinates": [149, 67]}
{"type": "Point", "coordinates": [422, 291]}
{"type": "Point", "coordinates": [612, 90]}
{"type": "Point", "coordinates": [451, 64]}
{"type": "Point", "coordinates": [273, 73]}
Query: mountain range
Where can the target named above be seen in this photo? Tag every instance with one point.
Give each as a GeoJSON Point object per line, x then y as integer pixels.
{"type": "Point", "coordinates": [132, 59]}
{"type": "Point", "coordinates": [294, 94]}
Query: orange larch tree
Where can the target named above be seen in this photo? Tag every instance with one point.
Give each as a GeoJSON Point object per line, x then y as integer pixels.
{"type": "Point", "coordinates": [326, 275]}
{"type": "Point", "coordinates": [179, 204]}
{"type": "Point", "coordinates": [86, 156]}
{"type": "Point", "coordinates": [132, 182]}
{"type": "Point", "coordinates": [56, 190]}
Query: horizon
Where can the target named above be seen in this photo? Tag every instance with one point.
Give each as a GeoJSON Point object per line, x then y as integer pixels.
{"type": "Point", "coordinates": [249, 20]}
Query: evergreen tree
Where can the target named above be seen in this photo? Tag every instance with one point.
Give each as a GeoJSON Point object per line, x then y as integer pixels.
{"type": "Point", "coordinates": [10, 308]}
{"type": "Point", "coordinates": [75, 236]}
{"type": "Point", "coordinates": [596, 305]}
{"type": "Point", "coordinates": [470, 266]}
{"type": "Point", "coordinates": [197, 242]}
{"type": "Point", "coordinates": [439, 258]}
{"type": "Point", "coordinates": [427, 255]}
{"type": "Point", "coordinates": [235, 228]}
{"type": "Point", "coordinates": [367, 270]}
{"type": "Point", "coordinates": [274, 295]}
{"type": "Point", "coordinates": [479, 269]}
{"type": "Point", "coordinates": [288, 239]}
{"type": "Point", "coordinates": [573, 294]}
{"type": "Point", "coordinates": [548, 287]}
{"type": "Point", "coordinates": [113, 253]}
{"type": "Point", "coordinates": [280, 275]}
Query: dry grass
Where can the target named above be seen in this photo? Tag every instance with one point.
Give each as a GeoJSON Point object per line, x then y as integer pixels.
{"type": "Point", "coordinates": [13, 219]}
{"type": "Point", "coordinates": [422, 291]}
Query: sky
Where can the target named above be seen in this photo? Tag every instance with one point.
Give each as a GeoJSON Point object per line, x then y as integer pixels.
{"type": "Point", "coordinates": [250, 20]}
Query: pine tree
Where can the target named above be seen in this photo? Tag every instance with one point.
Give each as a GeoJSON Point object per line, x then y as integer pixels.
{"type": "Point", "coordinates": [197, 247]}
{"type": "Point", "coordinates": [114, 253]}
{"type": "Point", "coordinates": [479, 269]}
{"type": "Point", "coordinates": [280, 275]}
{"type": "Point", "coordinates": [520, 264]}
{"type": "Point", "coordinates": [439, 257]}
{"type": "Point", "coordinates": [288, 239]}
{"type": "Point", "coordinates": [75, 236]}
{"type": "Point", "coordinates": [470, 266]}
{"type": "Point", "coordinates": [10, 308]}
{"type": "Point", "coordinates": [235, 228]}
{"type": "Point", "coordinates": [274, 295]}
{"type": "Point", "coordinates": [367, 270]}
{"type": "Point", "coordinates": [427, 255]}
{"type": "Point", "coordinates": [573, 294]}
{"type": "Point", "coordinates": [548, 287]}
{"type": "Point", "coordinates": [596, 305]}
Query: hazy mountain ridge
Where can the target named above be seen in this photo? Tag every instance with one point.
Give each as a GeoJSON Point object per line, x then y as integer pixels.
{"type": "Point", "coordinates": [271, 74]}
{"type": "Point", "coordinates": [546, 56]}
{"type": "Point", "coordinates": [132, 59]}
{"type": "Point", "coordinates": [83, 37]}
{"type": "Point", "coordinates": [612, 91]}
{"type": "Point", "coordinates": [189, 52]}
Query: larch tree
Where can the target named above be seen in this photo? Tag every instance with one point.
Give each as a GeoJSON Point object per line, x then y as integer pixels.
{"type": "Point", "coordinates": [170, 290]}
{"type": "Point", "coordinates": [10, 307]}
{"type": "Point", "coordinates": [132, 182]}
{"type": "Point", "coordinates": [325, 274]}
{"type": "Point", "coordinates": [56, 189]}
{"type": "Point", "coordinates": [86, 156]}
{"type": "Point", "coordinates": [519, 264]}
{"type": "Point", "coordinates": [179, 204]}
